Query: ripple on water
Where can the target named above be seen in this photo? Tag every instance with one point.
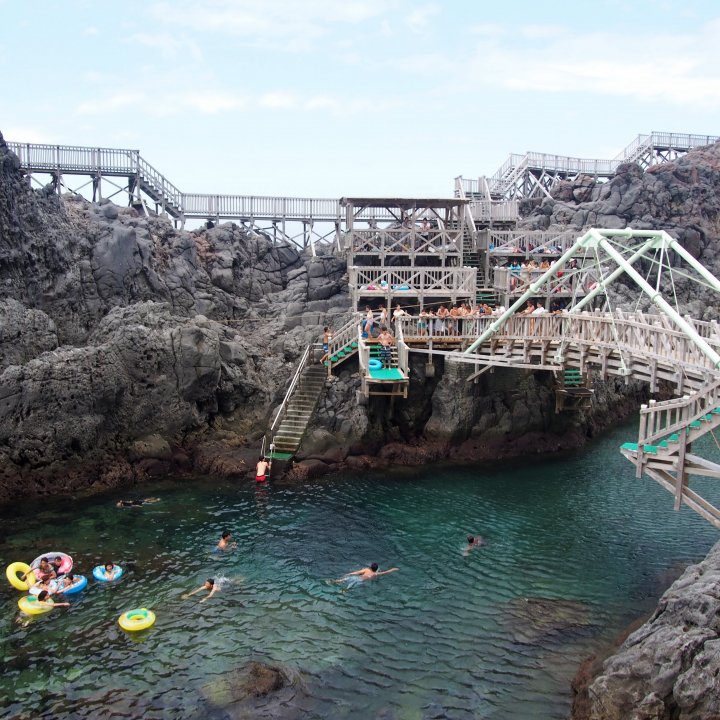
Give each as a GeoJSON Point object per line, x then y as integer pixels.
{"type": "Point", "coordinates": [575, 548]}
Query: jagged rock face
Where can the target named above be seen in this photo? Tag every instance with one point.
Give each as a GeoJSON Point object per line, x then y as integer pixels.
{"type": "Point", "coordinates": [669, 668]}
{"type": "Point", "coordinates": [116, 327]}
{"type": "Point", "coordinates": [682, 197]}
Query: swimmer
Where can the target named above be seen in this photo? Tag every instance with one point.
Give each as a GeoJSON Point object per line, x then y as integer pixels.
{"type": "Point", "coordinates": [209, 584]}
{"type": "Point", "coordinates": [473, 541]}
{"type": "Point", "coordinates": [64, 583]}
{"type": "Point", "coordinates": [43, 572]}
{"type": "Point", "coordinates": [224, 542]}
{"type": "Point", "coordinates": [111, 570]}
{"type": "Point", "coordinates": [262, 469]}
{"type": "Point", "coordinates": [136, 503]}
{"type": "Point", "coordinates": [367, 573]}
{"type": "Point", "coordinates": [56, 563]}
{"type": "Point", "coordinates": [43, 601]}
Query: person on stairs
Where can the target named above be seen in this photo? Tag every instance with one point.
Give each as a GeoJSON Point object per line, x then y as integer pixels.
{"type": "Point", "coordinates": [386, 341]}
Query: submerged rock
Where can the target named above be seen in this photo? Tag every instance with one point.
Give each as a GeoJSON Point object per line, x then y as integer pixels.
{"type": "Point", "coordinates": [534, 619]}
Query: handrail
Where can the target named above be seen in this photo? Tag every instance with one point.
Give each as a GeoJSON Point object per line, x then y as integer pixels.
{"type": "Point", "coordinates": [343, 336]}
{"type": "Point", "coordinates": [660, 419]}
{"type": "Point", "coordinates": [402, 349]}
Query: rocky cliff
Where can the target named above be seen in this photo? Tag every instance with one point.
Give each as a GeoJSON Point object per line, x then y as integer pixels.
{"type": "Point", "coordinates": [668, 669]}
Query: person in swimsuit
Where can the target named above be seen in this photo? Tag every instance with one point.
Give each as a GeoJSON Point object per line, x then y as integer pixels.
{"type": "Point", "coordinates": [43, 572]}
{"type": "Point", "coordinates": [209, 584]}
{"type": "Point", "coordinates": [472, 542]}
{"type": "Point", "coordinates": [43, 601]}
{"type": "Point", "coordinates": [386, 341]}
{"type": "Point", "coordinates": [366, 573]}
{"type": "Point", "coordinates": [110, 570]}
{"type": "Point", "coordinates": [136, 503]}
{"type": "Point", "coordinates": [262, 469]}
{"type": "Point", "coordinates": [327, 336]}
{"type": "Point", "coordinates": [225, 542]}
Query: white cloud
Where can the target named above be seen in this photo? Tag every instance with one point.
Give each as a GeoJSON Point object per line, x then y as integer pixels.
{"type": "Point", "coordinates": [419, 18]}
{"type": "Point", "coordinates": [281, 24]}
{"type": "Point", "coordinates": [677, 68]}
{"type": "Point", "coordinates": [90, 30]}
{"type": "Point", "coordinates": [169, 46]}
{"type": "Point", "coordinates": [111, 103]}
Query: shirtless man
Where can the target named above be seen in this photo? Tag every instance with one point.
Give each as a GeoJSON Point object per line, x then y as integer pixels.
{"type": "Point", "coordinates": [472, 542]}
{"type": "Point", "coordinates": [386, 341]}
{"type": "Point", "coordinates": [225, 542]}
{"type": "Point", "coordinates": [262, 469]}
{"type": "Point", "coordinates": [209, 584]}
{"type": "Point", "coordinates": [367, 573]}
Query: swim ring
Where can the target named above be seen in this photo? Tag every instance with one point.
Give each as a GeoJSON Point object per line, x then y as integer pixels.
{"type": "Point", "coordinates": [374, 364]}
{"type": "Point", "coordinates": [134, 620]}
{"type": "Point", "coordinates": [13, 572]}
{"type": "Point", "coordinates": [30, 605]}
{"type": "Point", "coordinates": [100, 576]}
{"type": "Point", "coordinates": [79, 584]}
{"type": "Point", "coordinates": [65, 565]}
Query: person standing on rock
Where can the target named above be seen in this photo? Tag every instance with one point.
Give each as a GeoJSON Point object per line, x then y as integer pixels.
{"type": "Point", "coordinates": [262, 469]}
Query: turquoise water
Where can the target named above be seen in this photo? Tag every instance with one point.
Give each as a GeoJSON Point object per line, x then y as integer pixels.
{"type": "Point", "coordinates": [576, 549]}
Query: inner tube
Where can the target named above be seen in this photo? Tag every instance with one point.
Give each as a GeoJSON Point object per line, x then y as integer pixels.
{"type": "Point", "coordinates": [134, 620]}
{"type": "Point", "coordinates": [13, 572]}
{"type": "Point", "coordinates": [374, 364]}
{"type": "Point", "coordinates": [65, 565]}
{"type": "Point", "coordinates": [30, 605]}
{"type": "Point", "coordinates": [100, 575]}
{"type": "Point", "coordinates": [79, 584]}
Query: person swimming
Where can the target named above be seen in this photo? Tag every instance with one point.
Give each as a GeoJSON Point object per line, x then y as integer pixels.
{"type": "Point", "coordinates": [472, 542]}
{"type": "Point", "coordinates": [209, 584]}
{"type": "Point", "coordinates": [367, 573]}
{"type": "Point", "coordinates": [136, 503]}
{"type": "Point", "coordinates": [225, 542]}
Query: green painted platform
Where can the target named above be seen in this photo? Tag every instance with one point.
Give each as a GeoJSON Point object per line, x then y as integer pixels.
{"type": "Point", "coordinates": [279, 455]}
{"type": "Point", "coordinates": [386, 374]}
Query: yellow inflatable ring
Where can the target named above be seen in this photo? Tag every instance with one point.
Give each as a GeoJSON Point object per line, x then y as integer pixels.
{"type": "Point", "coordinates": [13, 572]}
{"type": "Point", "coordinates": [30, 605]}
{"type": "Point", "coordinates": [134, 620]}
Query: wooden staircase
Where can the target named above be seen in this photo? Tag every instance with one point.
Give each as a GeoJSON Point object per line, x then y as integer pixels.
{"type": "Point", "coordinates": [663, 451]}
{"type": "Point", "coordinates": [572, 390]}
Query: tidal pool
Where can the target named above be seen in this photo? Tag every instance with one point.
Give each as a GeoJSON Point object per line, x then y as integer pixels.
{"type": "Point", "coordinates": [576, 548]}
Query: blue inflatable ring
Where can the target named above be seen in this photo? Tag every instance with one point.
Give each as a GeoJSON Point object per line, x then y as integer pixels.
{"type": "Point", "coordinates": [100, 576]}
{"type": "Point", "coordinates": [374, 364]}
{"type": "Point", "coordinates": [79, 584]}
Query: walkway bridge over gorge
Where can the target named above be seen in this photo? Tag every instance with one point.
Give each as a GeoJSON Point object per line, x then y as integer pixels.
{"type": "Point", "coordinates": [589, 335]}
{"type": "Point", "coordinates": [669, 351]}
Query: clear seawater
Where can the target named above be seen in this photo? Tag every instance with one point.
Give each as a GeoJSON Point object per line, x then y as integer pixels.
{"type": "Point", "coordinates": [576, 549]}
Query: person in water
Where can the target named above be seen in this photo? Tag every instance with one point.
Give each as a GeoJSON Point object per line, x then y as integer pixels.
{"type": "Point", "coordinates": [136, 503]}
{"type": "Point", "coordinates": [44, 572]}
{"type": "Point", "coordinates": [66, 582]}
{"type": "Point", "coordinates": [367, 573]}
{"type": "Point", "coordinates": [262, 469]}
{"type": "Point", "coordinates": [472, 541]}
{"type": "Point", "coordinates": [111, 571]}
{"type": "Point", "coordinates": [56, 563]}
{"type": "Point", "coordinates": [225, 542]}
{"type": "Point", "coordinates": [209, 584]}
{"type": "Point", "coordinates": [43, 599]}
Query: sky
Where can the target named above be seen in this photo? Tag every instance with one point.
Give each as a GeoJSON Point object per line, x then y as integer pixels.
{"type": "Point", "coordinates": [320, 98]}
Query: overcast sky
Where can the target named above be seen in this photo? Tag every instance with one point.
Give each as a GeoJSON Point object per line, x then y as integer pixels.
{"type": "Point", "coordinates": [320, 98]}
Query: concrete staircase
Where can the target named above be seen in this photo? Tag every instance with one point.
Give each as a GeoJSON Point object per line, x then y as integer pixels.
{"type": "Point", "coordinates": [299, 410]}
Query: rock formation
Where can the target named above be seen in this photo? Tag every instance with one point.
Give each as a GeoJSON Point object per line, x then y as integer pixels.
{"type": "Point", "coordinates": [668, 669]}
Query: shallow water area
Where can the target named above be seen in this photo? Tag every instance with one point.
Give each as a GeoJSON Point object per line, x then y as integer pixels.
{"type": "Point", "coordinates": [576, 548]}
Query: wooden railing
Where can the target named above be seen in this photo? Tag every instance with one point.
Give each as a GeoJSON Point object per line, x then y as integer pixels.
{"type": "Point", "coordinates": [422, 280]}
{"type": "Point", "coordinates": [660, 419]}
{"type": "Point", "coordinates": [528, 242]}
{"type": "Point", "coordinates": [407, 240]}
{"type": "Point", "coordinates": [648, 347]}
{"type": "Point", "coordinates": [575, 283]}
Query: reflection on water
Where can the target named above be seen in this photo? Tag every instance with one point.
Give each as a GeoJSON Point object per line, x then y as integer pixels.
{"type": "Point", "coordinates": [575, 549]}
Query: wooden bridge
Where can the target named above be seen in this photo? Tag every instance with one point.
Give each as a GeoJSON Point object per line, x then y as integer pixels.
{"type": "Point", "coordinates": [533, 174]}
